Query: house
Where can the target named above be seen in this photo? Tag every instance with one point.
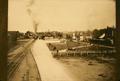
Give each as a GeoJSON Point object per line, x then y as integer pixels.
{"type": "Point", "coordinates": [104, 36]}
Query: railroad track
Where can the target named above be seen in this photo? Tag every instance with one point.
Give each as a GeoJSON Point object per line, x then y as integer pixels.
{"type": "Point", "coordinates": [15, 59]}
{"type": "Point", "coordinates": [14, 64]}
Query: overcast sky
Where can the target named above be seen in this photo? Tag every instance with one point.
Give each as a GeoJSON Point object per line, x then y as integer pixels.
{"type": "Point", "coordinates": [61, 15]}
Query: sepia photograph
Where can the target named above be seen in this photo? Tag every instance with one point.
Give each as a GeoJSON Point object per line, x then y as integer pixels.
{"type": "Point", "coordinates": [61, 40]}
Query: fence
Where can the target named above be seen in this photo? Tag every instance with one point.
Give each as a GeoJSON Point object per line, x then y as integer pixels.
{"type": "Point", "coordinates": [91, 53]}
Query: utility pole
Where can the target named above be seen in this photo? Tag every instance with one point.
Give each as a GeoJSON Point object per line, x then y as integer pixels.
{"type": "Point", "coordinates": [3, 39]}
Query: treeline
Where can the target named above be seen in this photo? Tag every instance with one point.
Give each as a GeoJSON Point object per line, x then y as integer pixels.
{"type": "Point", "coordinates": [13, 36]}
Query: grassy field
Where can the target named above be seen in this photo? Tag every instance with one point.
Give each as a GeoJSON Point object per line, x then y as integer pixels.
{"type": "Point", "coordinates": [61, 46]}
{"type": "Point", "coordinates": [78, 47]}
{"type": "Point", "coordinates": [94, 52]}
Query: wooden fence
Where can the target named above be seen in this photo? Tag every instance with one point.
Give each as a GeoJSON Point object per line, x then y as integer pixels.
{"type": "Point", "coordinates": [92, 53]}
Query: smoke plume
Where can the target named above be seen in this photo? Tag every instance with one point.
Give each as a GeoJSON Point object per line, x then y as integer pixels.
{"type": "Point", "coordinates": [30, 4]}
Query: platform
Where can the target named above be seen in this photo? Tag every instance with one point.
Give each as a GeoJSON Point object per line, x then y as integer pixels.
{"type": "Point", "coordinates": [50, 69]}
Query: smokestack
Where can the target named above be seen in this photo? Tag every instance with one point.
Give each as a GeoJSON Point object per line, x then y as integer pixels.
{"type": "Point", "coordinates": [35, 26]}
{"type": "Point", "coordinates": [30, 13]}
